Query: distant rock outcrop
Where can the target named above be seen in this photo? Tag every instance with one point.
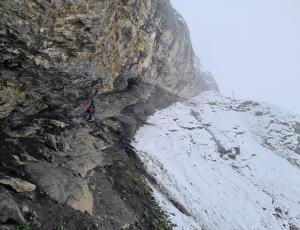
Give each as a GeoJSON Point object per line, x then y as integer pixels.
{"type": "Point", "coordinates": [206, 76]}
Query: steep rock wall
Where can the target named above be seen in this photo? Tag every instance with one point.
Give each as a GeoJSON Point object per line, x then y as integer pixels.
{"type": "Point", "coordinates": [61, 50]}
{"type": "Point", "coordinates": [133, 57]}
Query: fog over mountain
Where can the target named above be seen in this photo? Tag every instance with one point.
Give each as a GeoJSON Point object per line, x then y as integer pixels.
{"type": "Point", "coordinates": [109, 119]}
{"type": "Point", "coordinates": [251, 47]}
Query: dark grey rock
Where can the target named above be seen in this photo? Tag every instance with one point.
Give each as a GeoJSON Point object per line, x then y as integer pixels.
{"type": "Point", "coordinates": [50, 141]}
{"type": "Point", "coordinates": [128, 120]}
{"type": "Point", "coordinates": [297, 128]}
{"type": "Point", "coordinates": [8, 208]}
{"type": "Point", "coordinates": [120, 84]}
{"type": "Point", "coordinates": [259, 113]}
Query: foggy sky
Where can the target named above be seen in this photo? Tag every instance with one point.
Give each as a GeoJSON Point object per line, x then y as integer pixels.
{"type": "Point", "coordinates": [252, 47]}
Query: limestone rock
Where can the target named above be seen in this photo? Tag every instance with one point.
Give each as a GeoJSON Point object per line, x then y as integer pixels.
{"type": "Point", "coordinates": [10, 95]}
{"type": "Point", "coordinates": [83, 203]}
{"type": "Point", "coordinates": [50, 141]}
{"type": "Point", "coordinates": [58, 124]}
{"type": "Point", "coordinates": [54, 53]}
{"type": "Point", "coordinates": [85, 153]}
{"type": "Point", "coordinates": [17, 184]}
{"type": "Point", "coordinates": [51, 123]}
{"type": "Point", "coordinates": [113, 125]}
{"type": "Point", "coordinates": [28, 157]}
{"type": "Point", "coordinates": [28, 131]}
{"type": "Point", "coordinates": [84, 163]}
{"type": "Point", "coordinates": [7, 227]}
{"type": "Point", "coordinates": [125, 227]}
{"type": "Point", "coordinates": [17, 161]}
{"type": "Point", "coordinates": [63, 145]}
{"type": "Point", "coordinates": [62, 185]}
{"type": "Point", "coordinates": [8, 208]}
{"type": "Point", "coordinates": [45, 154]}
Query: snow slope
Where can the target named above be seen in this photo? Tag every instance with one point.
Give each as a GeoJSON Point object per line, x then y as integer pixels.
{"type": "Point", "coordinates": [224, 164]}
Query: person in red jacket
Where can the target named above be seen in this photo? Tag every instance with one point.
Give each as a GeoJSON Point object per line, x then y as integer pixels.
{"type": "Point", "coordinates": [91, 110]}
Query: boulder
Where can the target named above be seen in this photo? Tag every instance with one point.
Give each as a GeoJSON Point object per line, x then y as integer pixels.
{"type": "Point", "coordinates": [125, 226]}
{"type": "Point", "coordinates": [57, 124]}
{"type": "Point", "coordinates": [50, 141]}
{"type": "Point", "coordinates": [57, 143]}
{"type": "Point", "coordinates": [8, 208]}
{"type": "Point", "coordinates": [81, 151]}
{"type": "Point", "coordinates": [112, 124]}
{"type": "Point", "coordinates": [86, 162]}
{"type": "Point", "coordinates": [17, 162]}
{"type": "Point", "coordinates": [50, 123]}
{"type": "Point", "coordinates": [27, 157]}
{"type": "Point", "coordinates": [17, 184]}
{"type": "Point", "coordinates": [62, 185]}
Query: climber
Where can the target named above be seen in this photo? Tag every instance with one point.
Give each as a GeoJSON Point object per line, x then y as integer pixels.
{"type": "Point", "coordinates": [91, 110]}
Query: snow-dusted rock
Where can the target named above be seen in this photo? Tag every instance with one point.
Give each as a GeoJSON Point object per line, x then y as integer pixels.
{"type": "Point", "coordinates": [224, 164]}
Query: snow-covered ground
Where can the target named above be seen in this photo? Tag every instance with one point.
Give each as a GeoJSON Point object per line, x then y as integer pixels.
{"type": "Point", "coordinates": [224, 164]}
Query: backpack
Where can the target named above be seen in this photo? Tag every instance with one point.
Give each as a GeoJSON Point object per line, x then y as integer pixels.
{"type": "Point", "coordinates": [90, 109]}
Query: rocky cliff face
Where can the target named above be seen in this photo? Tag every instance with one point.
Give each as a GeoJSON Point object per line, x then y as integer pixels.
{"type": "Point", "coordinates": [55, 52]}
{"type": "Point", "coordinates": [133, 57]}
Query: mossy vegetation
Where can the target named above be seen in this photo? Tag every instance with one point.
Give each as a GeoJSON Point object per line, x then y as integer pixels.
{"type": "Point", "coordinates": [23, 226]}
{"type": "Point", "coordinates": [156, 219]}
{"type": "Point", "coordinates": [61, 227]}
{"type": "Point", "coordinates": [127, 179]}
{"type": "Point", "coordinates": [133, 180]}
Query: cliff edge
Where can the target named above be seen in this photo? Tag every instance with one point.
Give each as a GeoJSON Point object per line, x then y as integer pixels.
{"type": "Point", "coordinates": [59, 171]}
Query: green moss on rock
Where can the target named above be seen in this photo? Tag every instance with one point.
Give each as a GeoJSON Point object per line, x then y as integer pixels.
{"type": "Point", "coordinates": [129, 181]}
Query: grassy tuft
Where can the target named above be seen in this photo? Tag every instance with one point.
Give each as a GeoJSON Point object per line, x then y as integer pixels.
{"type": "Point", "coordinates": [23, 226]}
{"type": "Point", "coordinates": [128, 180]}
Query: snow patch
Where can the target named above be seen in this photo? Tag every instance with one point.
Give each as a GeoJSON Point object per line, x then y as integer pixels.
{"type": "Point", "coordinates": [230, 164]}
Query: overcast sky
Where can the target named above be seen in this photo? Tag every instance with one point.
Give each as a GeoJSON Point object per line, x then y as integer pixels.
{"type": "Point", "coordinates": [252, 47]}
